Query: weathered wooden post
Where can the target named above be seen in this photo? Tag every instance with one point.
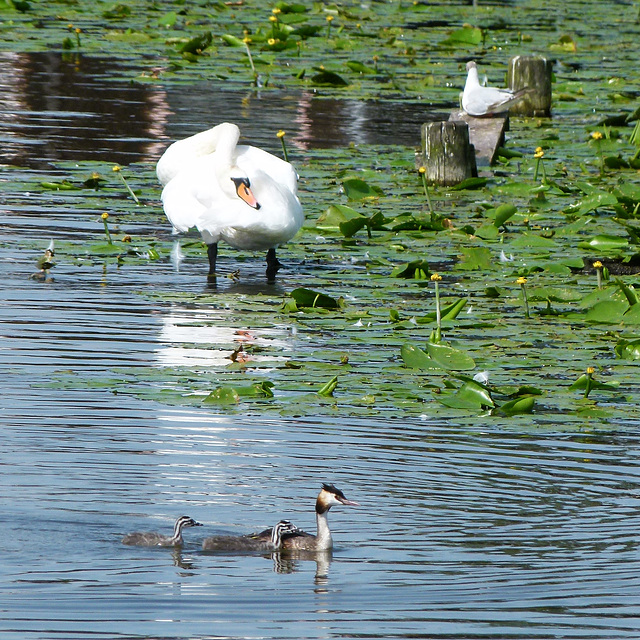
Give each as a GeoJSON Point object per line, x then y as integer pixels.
{"type": "Point", "coordinates": [533, 72]}
{"type": "Point", "coordinates": [448, 156]}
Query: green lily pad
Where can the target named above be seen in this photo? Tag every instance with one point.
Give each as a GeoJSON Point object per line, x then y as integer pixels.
{"type": "Point", "coordinates": [628, 349]}
{"type": "Point", "coordinates": [518, 406]}
{"type": "Point", "coordinates": [329, 78]}
{"type": "Point", "coordinates": [309, 298]}
{"type": "Point", "coordinates": [503, 213]}
{"type": "Point", "coordinates": [449, 358]}
{"type": "Point", "coordinates": [415, 358]}
{"type": "Point", "coordinates": [605, 244]}
{"type": "Point", "coordinates": [471, 395]}
{"type": "Point", "coordinates": [416, 270]}
{"type": "Point", "coordinates": [607, 312]}
{"type": "Point", "coordinates": [222, 395]}
{"type": "Point", "coordinates": [356, 189]}
{"type": "Point", "coordinates": [327, 389]}
{"type": "Point", "coordinates": [465, 37]}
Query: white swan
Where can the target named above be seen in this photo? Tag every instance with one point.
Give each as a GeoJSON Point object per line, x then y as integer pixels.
{"type": "Point", "coordinates": [486, 101]}
{"type": "Point", "coordinates": [240, 194]}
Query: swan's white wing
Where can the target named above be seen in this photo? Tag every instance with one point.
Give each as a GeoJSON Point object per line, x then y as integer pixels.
{"type": "Point", "coordinates": [252, 160]}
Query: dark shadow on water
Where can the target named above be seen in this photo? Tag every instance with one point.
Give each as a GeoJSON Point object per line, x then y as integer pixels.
{"type": "Point", "coordinates": [65, 107]}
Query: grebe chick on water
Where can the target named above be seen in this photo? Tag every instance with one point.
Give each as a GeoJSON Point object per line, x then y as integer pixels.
{"type": "Point", "coordinates": [152, 539]}
{"type": "Point", "coordinates": [328, 497]}
{"type": "Point", "coordinates": [267, 540]}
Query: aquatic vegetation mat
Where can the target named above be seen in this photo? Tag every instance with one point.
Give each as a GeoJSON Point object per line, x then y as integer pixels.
{"type": "Point", "coordinates": [512, 297]}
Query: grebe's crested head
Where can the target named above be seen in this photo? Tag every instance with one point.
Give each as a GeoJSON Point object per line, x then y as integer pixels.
{"type": "Point", "coordinates": [330, 496]}
{"type": "Point", "coordinates": [186, 521]}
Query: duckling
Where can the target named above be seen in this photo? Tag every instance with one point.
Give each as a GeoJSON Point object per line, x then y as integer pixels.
{"type": "Point", "coordinates": [45, 263]}
{"type": "Point", "coordinates": [267, 540]}
{"type": "Point", "coordinates": [152, 539]}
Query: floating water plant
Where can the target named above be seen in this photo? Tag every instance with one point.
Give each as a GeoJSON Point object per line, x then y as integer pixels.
{"type": "Point", "coordinates": [117, 169]}
{"type": "Point", "coordinates": [597, 265]}
{"type": "Point", "coordinates": [525, 301]}
{"type": "Point", "coordinates": [423, 174]}
{"type": "Point", "coordinates": [539, 155]}
{"type": "Point", "coordinates": [68, 43]}
{"type": "Point", "coordinates": [327, 389]}
{"type": "Point", "coordinates": [281, 134]}
{"type": "Point", "coordinates": [436, 278]}
{"type": "Point", "coordinates": [587, 383]}
{"type": "Point", "coordinates": [105, 218]}
{"type": "Point", "coordinates": [329, 21]}
{"type": "Point", "coordinates": [596, 136]}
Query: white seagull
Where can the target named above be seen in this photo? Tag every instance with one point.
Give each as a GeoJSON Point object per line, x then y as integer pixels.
{"type": "Point", "coordinates": [486, 101]}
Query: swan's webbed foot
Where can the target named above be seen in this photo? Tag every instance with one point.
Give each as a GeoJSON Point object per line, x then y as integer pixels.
{"type": "Point", "coordinates": [273, 264]}
{"type": "Point", "coordinates": [212, 254]}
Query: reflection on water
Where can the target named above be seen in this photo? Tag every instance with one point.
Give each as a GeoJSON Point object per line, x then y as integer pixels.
{"type": "Point", "coordinates": [201, 339]}
{"type": "Point", "coordinates": [69, 107]}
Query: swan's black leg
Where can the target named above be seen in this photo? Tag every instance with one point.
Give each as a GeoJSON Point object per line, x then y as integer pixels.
{"type": "Point", "coordinates": [212, 254]}
{"type": "Point", "coordinates": [273, 264]}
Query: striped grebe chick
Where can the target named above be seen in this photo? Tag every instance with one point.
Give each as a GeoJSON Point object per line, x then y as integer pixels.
{"type": "Point", "coordinates": [328, 497]}
{"type": "Point", "coordinates": [152, 539]}
{"type": "Point", "coordinates": [267, 540]}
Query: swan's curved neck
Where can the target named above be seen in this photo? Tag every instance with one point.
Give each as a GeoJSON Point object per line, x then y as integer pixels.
{"type": "Point", "coordinates": [225, 144]}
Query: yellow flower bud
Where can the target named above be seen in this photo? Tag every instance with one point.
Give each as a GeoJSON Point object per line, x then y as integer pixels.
{"type": "Point", "coordinates": [271, 41]}
{"type": "Point", "coordinates": [597, 264]}
{"type": "Point", "coordinates": [590, 370]}
{"type": "Point", "coordinates": [105, 215]}
{"type": "Point", "coordinates": [280, 134]}
{"type": "Point", "coordinates": [422, 170]}
{"type": "Point", "coordinates": [596, 135]}
{"type": "Point", "coordinates": [521, 280]}
{"type": "Point", "coordinates": [435, 277]}
{"type": "Point", "coordinates": [116, 168]}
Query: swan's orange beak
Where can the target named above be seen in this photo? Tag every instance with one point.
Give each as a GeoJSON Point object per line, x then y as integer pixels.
{"type": "Point", "coordinates": [243, 189]}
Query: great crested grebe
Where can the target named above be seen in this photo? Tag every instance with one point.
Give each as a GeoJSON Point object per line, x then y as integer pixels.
{"type": "Point", "coordinates": [485, 101]}
{"type": "Point", "coordinates": [328, 497]}
{"type": "Point", "coordinates": [236, 193]}
{"type": "Point", "coordinates": [152, 539]}
{"type": "Point", "coordinates": [267, 540]}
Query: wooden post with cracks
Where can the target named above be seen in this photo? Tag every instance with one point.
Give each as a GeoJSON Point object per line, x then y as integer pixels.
{"type": "Point", "coordinates": [448, 156]}
{"type": "Point", "coordinates": [533, 72]}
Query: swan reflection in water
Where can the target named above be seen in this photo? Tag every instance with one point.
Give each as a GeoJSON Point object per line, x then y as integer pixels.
{"type": "Point", "coordinates": [201, 338]}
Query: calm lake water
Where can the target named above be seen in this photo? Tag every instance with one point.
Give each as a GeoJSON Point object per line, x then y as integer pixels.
{"type": "Point", "coordinates": [461, 533]}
